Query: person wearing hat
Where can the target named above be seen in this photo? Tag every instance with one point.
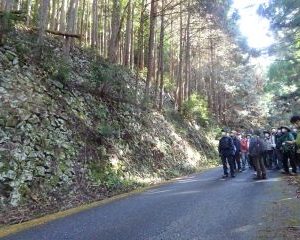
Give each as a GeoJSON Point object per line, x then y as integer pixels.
{"type": "Point", "coordinates": [288, 150]}
{"type": "Point", "coordinates": [226, 151]}
{"type": "Point", "coordinates": [295, 120]}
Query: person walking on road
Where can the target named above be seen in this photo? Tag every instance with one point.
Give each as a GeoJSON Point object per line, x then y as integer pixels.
{"type": "Point", "coordinates": [226, 151]}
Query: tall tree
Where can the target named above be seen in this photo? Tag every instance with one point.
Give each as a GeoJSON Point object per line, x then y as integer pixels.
{"type": "Point", "coordinates": [140, 52]}
{"type": "Point", "coordinates": [150, 64]}
{"type": "Point", "coordinates": [71, 23]}
{"type": "Point", "coordinates": [95, 25]}
{"type": "Point", "coordinates": [53, 14]}
{"type": "Point", "coordinates": [29, 16]}
{"type": "Point", "coordinates": [187, 54]}
{"type": "Point", "coordinates": [113, 48]}
{"type": "Point", "coordinates": [43, 19]}
{"type": "Point", "coordinates": [180, 66]}
{"type": "Point", "coordinates": [127, 47]}
{"type": "Point", "coordinates": [161, 55]}
{"type": "Point", "coordinates": [63, 9]}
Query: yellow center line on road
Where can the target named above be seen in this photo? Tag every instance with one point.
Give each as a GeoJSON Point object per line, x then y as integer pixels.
{"type": "Point", "coordinates": [12, 229]}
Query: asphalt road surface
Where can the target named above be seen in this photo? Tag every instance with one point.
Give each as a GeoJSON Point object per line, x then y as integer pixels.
{"type": "Point", "coordinates": [201, 206]}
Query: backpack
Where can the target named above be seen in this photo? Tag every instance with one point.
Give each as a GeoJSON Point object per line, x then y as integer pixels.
{"type": "Point", "coordinates": [255, 148]}
{"type": "Point", "coordinates": [225, 143]}
{"type": "Point", "coordinates": [288, 148]}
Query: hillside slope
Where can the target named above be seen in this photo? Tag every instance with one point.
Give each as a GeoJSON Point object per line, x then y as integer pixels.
{"type": "Point", "coordinates": [74, 132]}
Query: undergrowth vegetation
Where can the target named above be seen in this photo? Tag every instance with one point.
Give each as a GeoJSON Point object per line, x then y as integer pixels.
{"type": "Point", "coordinates": [196, 108]}
{"type": "Point", "coordinates": [57, 66]}
{"type": "Point", "coordinates": [111, 79]}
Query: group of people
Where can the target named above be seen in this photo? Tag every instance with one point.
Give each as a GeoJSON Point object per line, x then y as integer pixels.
{"type": "Point", "coordinates": [275, 149]}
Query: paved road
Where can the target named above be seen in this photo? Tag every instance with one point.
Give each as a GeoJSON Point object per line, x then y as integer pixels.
{"type": "Point", "coordinates": [201, 206]}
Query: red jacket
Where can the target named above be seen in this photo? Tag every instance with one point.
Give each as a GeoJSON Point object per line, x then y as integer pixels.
{"type": "Point", "coordinates": [244, 145]}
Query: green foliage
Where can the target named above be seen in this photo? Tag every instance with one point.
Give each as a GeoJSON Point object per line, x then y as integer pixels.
{"type": "Point", "coordinates": [101, 72]}
{"type": "Point", "coordinates": [104, 175]}
{"type": "Point", "coordinates": [7, 21]}
{"type": "Point", "coordinates": [216, 131]}
{"type": "Point", "coordinates": [56, 66]}
{"type": "Point", "coordinates": [219, 8]}
{"type": "Point", "coordinates": [62, 72]}
{"type": "Point", "coordinates": [172, 173]}
{"type": "Point", "coordinates": [196, 108]}
{"type": "Point", "coordinates": [22, 49]}
{"type": "Point", "coordinates": [283, 78]}
{"type": "Point", "coordinates": [54, 181]}
{"type": "Point", "coordinates": [102, 111]}
{"type": "Point", "coordinates": [282, 13]}
{"type": "Point", "coordinates": [169, 85]}
{"type": "Point", "coordinates": [143, 73]}
{"type": "Point", "coordinates": [24, 190]}
{"type": "Point", "coordinates": [6, 26]}
{"type": "Point", "coordinates": [4, 167]}
{"type": "Point", "coordinates": [111, 80]}
{"type": "Point", "coordinates": [178, 171]}
{"type": "Point", "coordinates": [109, 129]}
{"type": "Point", "coordinates": [106, 130]}
{"type": "Point", "coordinates": [109, 177]}
{"type": "Point", "coordinates": [283, 83]}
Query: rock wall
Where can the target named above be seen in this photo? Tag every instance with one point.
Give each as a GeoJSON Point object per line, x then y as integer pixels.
{"type": "Point", "coordinates": [65, 145]}
{"type": "Point", "coordinates": [35, 139]}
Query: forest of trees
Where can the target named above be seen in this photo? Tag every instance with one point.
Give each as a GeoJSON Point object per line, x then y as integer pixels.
{"type": "Point", "coordinates": [188, 49]}
{"type": "Point", "coordinates": [283, 75]}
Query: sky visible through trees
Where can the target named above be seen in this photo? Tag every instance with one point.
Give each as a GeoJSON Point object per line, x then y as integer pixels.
{"type": "Point", "coordinates": [256, 28]}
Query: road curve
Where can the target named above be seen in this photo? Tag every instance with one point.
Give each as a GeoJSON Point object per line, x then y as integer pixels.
{"type": "Point", "coordinates": [201, 206]}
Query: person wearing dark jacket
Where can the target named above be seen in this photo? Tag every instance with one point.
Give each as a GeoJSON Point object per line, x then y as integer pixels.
{"type": "Point", "coordinates": [256, 152]}
{"type": "Point", "coordinates": [226, 151]}
{"type": "Point", "coordinates": [237, 155]}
